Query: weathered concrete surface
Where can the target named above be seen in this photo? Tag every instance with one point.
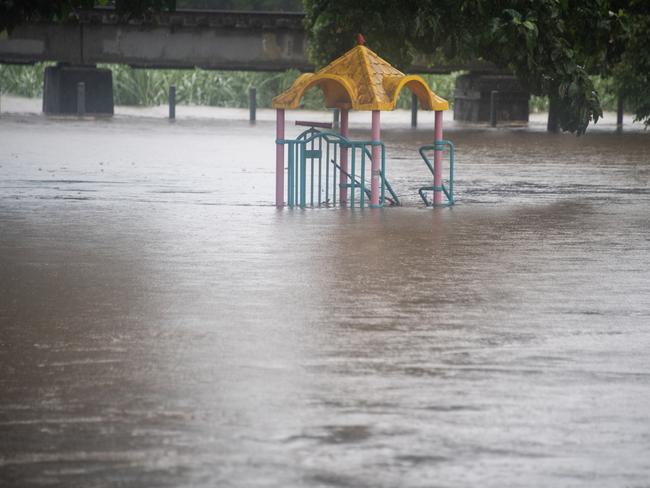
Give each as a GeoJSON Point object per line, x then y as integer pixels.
{"type": "Point", "coordinates": [179, 40]}
{"type": "Point", "coordinates": [472, 98]}
{"type": "Point", "coordinates": [60, 89]}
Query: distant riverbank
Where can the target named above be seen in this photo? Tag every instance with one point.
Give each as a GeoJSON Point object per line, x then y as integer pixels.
{"type": "Point", "coordinates": [10, 104]}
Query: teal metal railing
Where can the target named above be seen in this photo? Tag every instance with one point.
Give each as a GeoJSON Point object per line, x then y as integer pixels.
{"type": "Point", "coordinates": [314, 169]}
{"type": "Point", "coordinates": [447, 190]}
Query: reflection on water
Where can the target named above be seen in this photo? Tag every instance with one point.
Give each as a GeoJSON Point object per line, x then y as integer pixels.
{"type": "Point", "coordinates": [163, 325]}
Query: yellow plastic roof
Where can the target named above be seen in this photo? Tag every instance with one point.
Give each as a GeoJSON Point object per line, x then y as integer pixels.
{"type": "Point", "coordinates": [360, 80]}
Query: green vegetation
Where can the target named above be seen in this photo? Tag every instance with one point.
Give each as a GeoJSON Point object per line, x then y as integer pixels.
{"type": "Point", "coordinates": [146, 87]}
{"type": "Point", "coordinates": [259, 5]}
{"type": "Point", "coordinates": [22, 80]}
{"type": "Point", "coordinates": [554, 47]}
{"type": "Point", "coordinates": [631, 75]}
{"type": "Point", "coordinates": [197, 87]}
{"type": "Point", "coordinates": [604, 87]}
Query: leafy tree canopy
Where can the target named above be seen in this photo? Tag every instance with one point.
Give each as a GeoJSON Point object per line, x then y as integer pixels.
{"type": "Point", "coordinates": [632, 73]}
{"type": "Point", "coordinates": [551, 45]}
{"type": "Point", "coordinates": [259, 5]}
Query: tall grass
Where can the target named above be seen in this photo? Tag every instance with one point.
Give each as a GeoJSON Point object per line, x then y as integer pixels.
{"type": "Point", "coordinates": [22, 80]}
{"type": "Point", "coordinates": [147, 87]}
{"type": "Point", "coordinates": [201, 87]}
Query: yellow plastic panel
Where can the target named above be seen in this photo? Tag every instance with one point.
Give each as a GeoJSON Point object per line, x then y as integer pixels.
{"type": "Point", "coordinates": [360, 80]}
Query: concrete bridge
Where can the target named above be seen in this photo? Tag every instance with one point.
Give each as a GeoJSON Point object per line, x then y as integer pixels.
{"type": "Point", "coordinates": [210, 40]}
{"type": "Point", "coordinates": [227, 40]}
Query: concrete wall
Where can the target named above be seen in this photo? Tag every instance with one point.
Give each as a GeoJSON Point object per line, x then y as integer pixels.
{"type": "Point", "coordinates": [472, 98]}
{"type": "Point", "coordinates": [60, 90]}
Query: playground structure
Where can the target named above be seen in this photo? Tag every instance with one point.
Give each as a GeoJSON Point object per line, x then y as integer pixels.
{"type": "Point", "coordinates": [320, 162]}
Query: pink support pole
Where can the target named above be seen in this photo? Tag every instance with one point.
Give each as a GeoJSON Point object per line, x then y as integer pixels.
{"type": "Point", "coordinates": [343, 192]}
{"type": "Point", "coordinates": [279, 158]}
{"type": "Point", "coordinates": [376, 159]}
{"type": "Point", "coordinates": [437, 160]}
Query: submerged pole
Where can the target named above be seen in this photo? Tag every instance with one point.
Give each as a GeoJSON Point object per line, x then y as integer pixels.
{"type": "Point", "coordinates": [437, 160]}
{"type": "Point", "coordinates": [414, 110]}
{"type": "Point", "coordinates": [376, 158]}
{"type": "Point", "coordinates": [279, 158]}
{"type": "Point", "coordinates": [343, 179]}
{"type": "Point", "coordinates": [252, 104]}
{"type": "Point", "coordinates": [619, 114]}
{"type": "Point", "coordinates": [81, 99]}
{"type": "Point", "coordinates": [494, 102]}
{"type": "Point", "coordinates": [172, 102]}
{"type": "Point", "coordinates": [553, 123]}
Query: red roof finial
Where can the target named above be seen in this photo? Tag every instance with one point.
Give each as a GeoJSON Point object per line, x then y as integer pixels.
{"type": "Point", "coordinates": [361, 41]}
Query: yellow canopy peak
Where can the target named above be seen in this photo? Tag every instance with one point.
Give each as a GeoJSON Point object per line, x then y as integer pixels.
{"type": "Point", "coordinates": [360, 80]}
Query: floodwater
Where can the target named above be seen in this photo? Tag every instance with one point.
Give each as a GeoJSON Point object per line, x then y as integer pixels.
{"type": "Point", "coordinates": [162, 324]}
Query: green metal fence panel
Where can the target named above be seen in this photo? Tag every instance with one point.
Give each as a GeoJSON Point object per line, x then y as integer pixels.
{"type": "Point", "coordinates": [304, 176]}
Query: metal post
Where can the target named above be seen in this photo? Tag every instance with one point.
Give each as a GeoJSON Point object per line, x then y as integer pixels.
{"type": "Point", "coordinates": [619, 114]}
{"type": "Point", "coordinates": [414, 110]}
{"type": "Point", "coordinates": [81, 99]}
{"type": "Point", "coordinates": [172, 102]}
{"type": "Point", "coordinates": [376, 159]}
{"type": "Point", "coordinates": [336, 116]}
{"type": "Point", "coordinates": [494, 102]}
{"type": "Point", "coordinates": [343, 179]}
{"type": "Point", "coordinates": [252, 103]}
{"type": "Point", "coordinates": [553, 123]}
{"type": "Point", "coordinates": [437, 160]}
{"type": "Point", "coordinates": [279, 158]}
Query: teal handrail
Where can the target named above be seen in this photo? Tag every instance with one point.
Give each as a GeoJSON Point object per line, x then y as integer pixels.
{"type": "Point", "coordinates": [357, 183]}
{"type": "Point", "coordinates": [394, 196]}
{"type": "Point", "coordinates": [438, 145]}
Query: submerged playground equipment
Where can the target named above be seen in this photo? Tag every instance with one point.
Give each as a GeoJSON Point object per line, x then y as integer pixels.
{"type": "Point", "coordinates": [320, 162]}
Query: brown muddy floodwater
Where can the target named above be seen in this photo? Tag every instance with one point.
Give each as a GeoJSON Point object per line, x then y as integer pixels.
{"type": "Point", "coordinates": [163, 325]}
